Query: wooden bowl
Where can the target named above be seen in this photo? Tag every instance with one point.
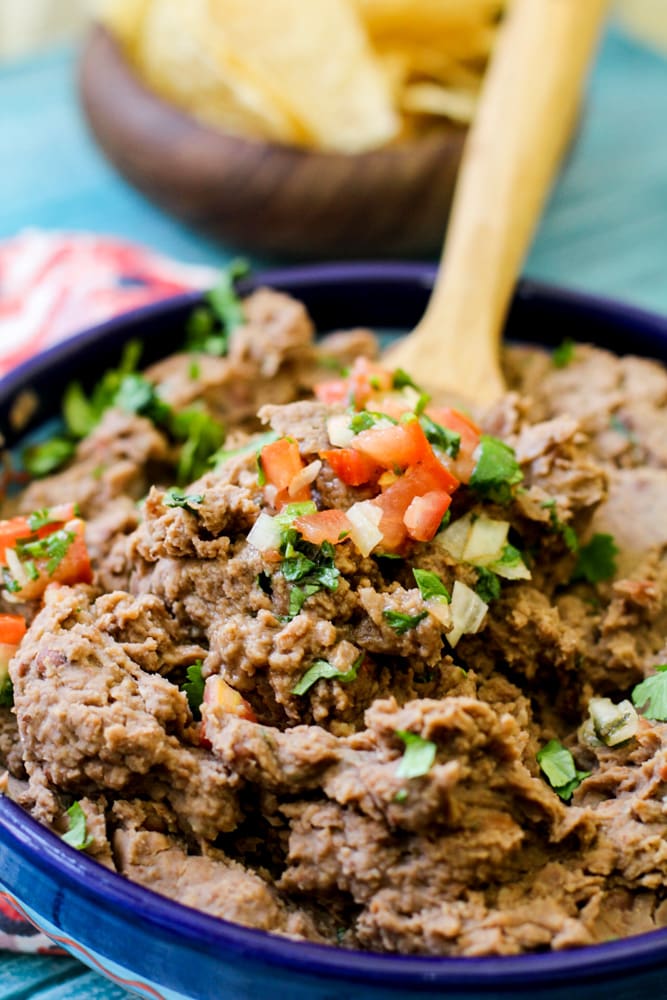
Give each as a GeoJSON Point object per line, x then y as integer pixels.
{"type": "Point", "coordinates": [266, 197]}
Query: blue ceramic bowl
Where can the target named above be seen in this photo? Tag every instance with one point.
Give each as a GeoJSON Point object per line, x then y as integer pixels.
{"type": "Point", "coordinates": [158, 948]}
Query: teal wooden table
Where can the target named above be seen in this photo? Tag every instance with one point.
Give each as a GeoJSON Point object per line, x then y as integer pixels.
{"type": "Point", "coordinates": [605, 231]}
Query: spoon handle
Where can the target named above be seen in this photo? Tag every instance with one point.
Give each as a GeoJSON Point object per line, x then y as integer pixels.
{"type": "Point", "coordinates": [530, 101]}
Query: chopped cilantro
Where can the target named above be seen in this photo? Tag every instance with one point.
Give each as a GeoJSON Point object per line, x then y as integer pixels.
{"type": "Point", "coordinates": [308, 568]}
{"type": "Point", "coordinates": [53, 547]}
{"type": "Point", "coordinates": [430, 584]}
{"type": "Point", "coordinates": [401, 795]}
{"type": "Point", "coordinates": [185, 500]}
{"type": "Point", "coordinates": [77, 835]}
{"type": "Point", "coordinates": [566, 530]}
{"type": "Point", "coordinates": [365, 419]}
{"type": "Point", "coordinates": [323, 670]}
{"type": "Point", "coordinates": [261, 475]}
{"type": "Point", "coordinates": [496, 470]}
{"type": "Point", "coordinates": [40, 518]}
{"type": "Point", "coordinates": [211, 324]}
{"type": "Point", "coordinates": [83, 413]}
{"type": "Point", "coordinates": [42, 459]}
{"type": "Point", "coordinates": [194, 371]}
{"type": "Point", "coordinates": [401, 378]}
{"type": "Point", "coordinates": [596, 560]}
{"type": "Point", "coordinates": [193, 687]}
{"type": "Point", "coordinates": [650, 696]}
{"type": "Point", "coordinates": [488, 584]}
{"type": "Point", "coordinates": [563, 354]}
{"type": "Point", "coordinates": [418, 756]}
{"type": "Point", "coordinates": [557, 764]}
{"type": "Point", "coordinates": [400, 622]}
{"type": "Point", "coordinates": [201, 436]}
{"type": "Point", "coordinates": [441, 437]}
{"type": "Point", "coordinates": [6, 692]}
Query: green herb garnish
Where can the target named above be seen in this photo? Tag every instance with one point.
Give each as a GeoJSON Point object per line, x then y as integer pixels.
{"type": "Point", "coordinates": [496, 471]}
{"type": "Point", "coordinates": [557, 764]}
{"type": "Point", "coordinates": [42, 459]}
{"type": "Point", "coordinates": [323, 670]}
{"type": "Point", "coordinates": [193, 687]}
{"type": "Point", "coordinates": [185, 500]}
{"type": "Point", "coordinates": [201, 436]}
{"type": "Point", "coordinates": [77, 835]}
{"type": "Point", "coordinates": [400, 379]}
{"type": "Point", "coordinates": [6, 692]}
{"type": "Point", "coordinates": [210, 325]}
{"type": "Point", "coordinates": [563, 354]}
{"type": "Point", "coordinates": [596, 560]}
{"type": "Point", "coordinates": [568, 533]}
{"type": "Point", "coordinates": [418, 756]}
{"type": "Point", "coordinates": [254, 445]}
{"type": "Point", "coordinates": [448, 441]}
{"type": "Point", "coordinates": [488, 585]}
{"type": "Point", "coordinates": [650, 696]}
{"type": "Point", "coordinates": [402, 623]}
{"type": "Point", "coordinates": [53, 547]}
{"type": "Point", "coordinates": [430, 584]}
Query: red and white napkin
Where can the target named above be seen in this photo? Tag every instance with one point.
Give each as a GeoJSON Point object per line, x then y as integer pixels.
{"type": "Point", "coordinates": [53, 285]}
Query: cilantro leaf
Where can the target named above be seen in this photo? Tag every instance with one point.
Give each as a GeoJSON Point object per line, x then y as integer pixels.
{"type": "Point", "coordinates": [650, 696]}
{"type": "Point", "coordinates": [323, 670]}
{"type": "Point", "coordinates": [365, 419]}
{"type": "Point", "coordinates": [441, 437]}
{"type": "Point", "coordinates": [563, 354]}
{"type": "Point", "coordinates": [496, 470]}
{"type": "Point", "coordinates": [400, 379]}
{"type": "Point", "coordinates": [6, 692]}
{"type": "Point", "coordinates": [202, 436]}
{"type": "Point", "coordinates": [557, 764]}
{"type": "Point", "coordinates": [488, 585]}
{"type": "Point", "coordinates": [53, 547]}
{"type": "Point", "coordinates": [418, 756]}
{"type": "Point", "coordinates": [41, 459]}
{"type": "Point", "coordinates": [211, 324]}
{"type": "Point", "coordinates": [296, 567]}
{"type": "Point", "coordinates": [430, 584]}
{"type": "Point", "coordinates": [309, 568]}
{"type": "Point", "coordinates": [400, 622]}
{"type": "Point", "coordinates": [596, 560]}
{"type": "Point", "coordinates": [185, 500]}
{"type": "Point", "coordinates": [566, 530]}
{"type": "Point", "coordinates": [193, 687]}
{"type": "Point", "coordinates": [40, 518]}
{"type": "Point", "coordinates": [77, 835]}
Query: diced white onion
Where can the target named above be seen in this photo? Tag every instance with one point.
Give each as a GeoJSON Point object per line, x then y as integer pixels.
{"type": "Point", "coordinates": [270, 494]}
{"type": "Point", "coordinates": [304, 478]}
{"type": "Point", "coordinates": [16, 568]}
{"type": "Point", "coordinates": [613, 724]}
{"type": "Point", "coordinates": [468, 612]}
{"type": "Point", "coordinates": [486, 540]}
{"type": "Point", "coordinates": [265, 533]}
{"type": "Point", "coordinates": [365, 518]}
{"type": "Point", "coordinates": [339, 431]}
{"type": "Point", "coordinates": [439, 608]}
{"type": "Point", "coordinates": [517, 571]}
{"type": "Point", "coordinates": [455, 536]}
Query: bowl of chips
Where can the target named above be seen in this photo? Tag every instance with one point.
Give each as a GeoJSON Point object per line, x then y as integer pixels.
{"type": "Point", "coordinates": [328, 128]}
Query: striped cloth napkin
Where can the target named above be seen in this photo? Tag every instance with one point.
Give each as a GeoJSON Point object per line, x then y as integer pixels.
{"type": "Point", "coordinates": [52, 285]}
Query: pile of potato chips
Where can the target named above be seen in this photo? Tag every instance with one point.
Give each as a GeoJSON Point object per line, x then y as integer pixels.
{"type": "Point", "coordinates": [343, 75]}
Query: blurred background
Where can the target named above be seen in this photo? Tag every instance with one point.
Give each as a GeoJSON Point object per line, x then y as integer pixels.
{"type": "Point", "coordinates": [26, 25]}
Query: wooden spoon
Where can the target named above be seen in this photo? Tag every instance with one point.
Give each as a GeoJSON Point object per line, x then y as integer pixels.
{"type": "Point", "coordinates": [525, 118]}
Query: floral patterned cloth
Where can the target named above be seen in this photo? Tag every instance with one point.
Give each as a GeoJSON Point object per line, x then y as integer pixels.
{"type": "Point", "coordinates": [52, 285]}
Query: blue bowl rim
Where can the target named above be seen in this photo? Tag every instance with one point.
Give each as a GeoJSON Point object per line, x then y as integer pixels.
{"type": "Point", "coordinates": [199, 931]}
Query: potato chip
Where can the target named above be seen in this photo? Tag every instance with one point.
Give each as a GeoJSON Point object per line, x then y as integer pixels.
{"type": "Point", "coordinates": [317, 58]}
{"type": "Point", "coordinates": [435, 99]}
{"type": "Point", "coordinates": [181, 63]}
{"type": "Point", "coordinates": [125, 19]}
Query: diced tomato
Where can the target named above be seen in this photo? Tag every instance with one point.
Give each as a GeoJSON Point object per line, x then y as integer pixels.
{"type": "Point", "coordinates": [396, 446]}
{"type": "Point", "coordinates": [365, 380]}
{"type": "Point", "coordinates": [351, 466]}
{"type": "Point", "coordinates": [420, 479]}
{"type": "Point", "coordinates": [73, 567]}
{"type": "Point", "coordinates": [324, 526]}
{"type": "Point", "coordinates": [10, 532]}
{"type": "Point", "coordinates": [281, 462]}
{"type": "Point", "coordinates": [219, 694]}
{"type": "Point", "coordinates": [12, 629]}
{"type": "Point", "coordinates": [333, 391]}
{"type": "Point", "coordinates": [425, 513]}
{"type": "Point", "coordinates": [470, 433]}
{"type": "Point", "coordinates": [19, 527]}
